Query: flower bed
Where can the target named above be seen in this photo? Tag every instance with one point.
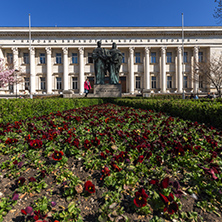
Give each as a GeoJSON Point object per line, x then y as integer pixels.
{"type": "Point", "coordinates": [110, 163]}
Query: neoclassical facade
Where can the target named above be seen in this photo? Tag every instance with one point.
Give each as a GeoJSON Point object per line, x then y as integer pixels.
{"type": "Point", "coordinates": [59, 58]}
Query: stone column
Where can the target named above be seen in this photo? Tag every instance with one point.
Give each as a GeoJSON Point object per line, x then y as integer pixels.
{"type": "Point", "coordinates": [131, 71]}
{"type": "Point", "coordinates": [195, 74]}
{"type": "Point", "coordinates": [180, 71]}
{"type": "Point", "coordinates": [1, 54]}
{"type": "Point", "coordinates": [81, 70]}
{"type": "Point", "coordinates": [65, 68]}
{"type": "Point", "coordinates": [49, 70]}
{"type": "Point", "coordinates": [176, 70]}
{"type": "Point", "coordinates": [147, 69]}
{"type": "Point", "coordinates": [32, 70]}
{"type": "Point", "coordinates": [163, 69]}
{"type": "Point", "coordinates": [15, 65]}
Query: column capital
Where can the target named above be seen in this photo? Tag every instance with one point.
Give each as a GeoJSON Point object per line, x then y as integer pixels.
{"type": "Point", "coordinates": [179, 49]}
{"type": "Point", "coordinates": [65, 50]}
{"type": "Point", "coordinates": [81, 50]}
{"type": "Point", "coordinates": [131, 50]}
{"type": "Point", "coordinates": [195, 49]}
{"type": "Point", "coordinates": [163, 49]}
{"type": "Point", "coordinates": [32, 50]}
{"type": "Point", "coordinates": [48, 50]}
{"type": "Point", "coordinates": [15, 50]}
{"type": "Point", "coordinates": [147, 50]}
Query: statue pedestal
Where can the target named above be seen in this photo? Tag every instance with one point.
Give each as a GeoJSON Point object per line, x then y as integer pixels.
{"type": "Point", "coordinates": [67, 93]}
{"type": "Point", "coordinates": [107, 90]}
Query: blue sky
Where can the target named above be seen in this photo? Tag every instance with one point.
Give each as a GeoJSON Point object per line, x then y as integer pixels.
{"type": "Point", "coordinates": [63, 13]}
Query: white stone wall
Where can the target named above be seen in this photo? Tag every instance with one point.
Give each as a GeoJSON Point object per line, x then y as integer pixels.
{"type": "Point", "coordinates": [130, 40]}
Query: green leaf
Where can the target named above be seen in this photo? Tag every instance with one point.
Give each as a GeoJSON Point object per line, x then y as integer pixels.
{"type": "Point", "coordinates": [71, 207]}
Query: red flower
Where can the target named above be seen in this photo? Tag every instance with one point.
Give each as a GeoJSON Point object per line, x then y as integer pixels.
{"type": "Point", "coordinates": [163, 184]}
{"type": "Point", "coordinates": [140, 159]}
{"type": "Point", "coordinates": [15, 162]}
{"type": "Point", "coordinates": [75, 142]}
{"type": "Point", "coordinates": [95, 142]}
{"type": "Point", "coordinates": [122, 156]}
{"type": "Point", "coordinates": [35, 143]}
{"type": "Point", "coordinates": [154, 181]}
{"type": "Point", "coordinates": [115, 167]}
{"type": "Point", "coordinates": [159, 159]}
{"type": "Point", "coordinates": [32, 179]}
{"type": "Point", "coordinates": [103, 155]}
{"type": "Point", "coordinates": [89, 187]}
{"type": "Point", "coordinates": [27, 210]}
{"type": "Point", "coordinates": [105, 173]}
{"type": "Point", "coordinates": [20, 181]}
{"type": "Point", "coordinates": [10, 141]}
{"type": "Point", "coordinates": [141, 198]}
{"type": "Point", "coordinates": [170, 205]}
{"type": "Point", "coordinates": [38, 215]}
{"type": "Point", "coordinates": [87, 144]}
{"type": "Point", "coordinates": [147, 154]}
{"type": "Point", "coordinates": [43, 173]}
{"type": "Point", "coordinates": [57, 155]}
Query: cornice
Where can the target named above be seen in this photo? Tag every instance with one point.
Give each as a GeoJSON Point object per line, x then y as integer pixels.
{"type": "Point", "coordinates": [109, 31]}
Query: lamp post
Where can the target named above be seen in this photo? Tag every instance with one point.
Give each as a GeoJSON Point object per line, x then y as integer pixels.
{"type": "Point", "coordinates": [16, 72]}
{"type": "Point", "coordinates": [196, 80]}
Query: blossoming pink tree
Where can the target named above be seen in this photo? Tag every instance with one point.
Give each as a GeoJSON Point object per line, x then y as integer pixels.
{"type": "Point", "coordinates": [6, 75]}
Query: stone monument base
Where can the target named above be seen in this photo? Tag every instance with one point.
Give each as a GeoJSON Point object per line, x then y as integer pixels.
{"type": "Point", "coordinates": [67, 93]}
{"type": "Point", "coordinates": [108, 90]}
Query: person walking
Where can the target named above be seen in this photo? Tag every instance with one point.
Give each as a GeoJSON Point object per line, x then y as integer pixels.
{"type": "Point", "coordinates": [87, 87]}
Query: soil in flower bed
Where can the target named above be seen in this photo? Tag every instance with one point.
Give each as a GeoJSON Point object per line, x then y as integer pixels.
{"type": "Point", "coordinates": [110, 163]}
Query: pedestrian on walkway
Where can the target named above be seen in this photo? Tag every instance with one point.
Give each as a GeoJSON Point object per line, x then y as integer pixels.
{"type": "Point", "coordinates": [87, 87]}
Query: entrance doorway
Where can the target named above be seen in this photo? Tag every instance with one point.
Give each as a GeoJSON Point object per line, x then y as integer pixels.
{"type": "Point", "coordinates": [123, 83]}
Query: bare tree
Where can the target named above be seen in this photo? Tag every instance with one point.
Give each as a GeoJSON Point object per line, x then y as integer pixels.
{"type": "Point", "coordinates": [211, 72]}
{"type": "Point", "coordinates": [218, 11]}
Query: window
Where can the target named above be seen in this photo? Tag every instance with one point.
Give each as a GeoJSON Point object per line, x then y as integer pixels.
{"type": "Point", "coordinates": [74, 83]}
{"type": "Point", "coordinates": [153, 57]}
{"type": "Point", "coordinates": [58, 83]}
{"type": "Point", "coordinates": [169, 57]}
{"type": "Point", "coordinates": [169, 82]}
{"type": "Point", "coordinates": [185, 57]}
{"type": "Point", "coordinates": [11, 87]}
{"type": "Point", "coordinates": [185, 82]}
{"type": "Point", "coordinates": [137, 57]}
{"type": "Point", "coordinates": [27, 83]}
{"type": "Point", "coordinates": [200, 81]}
{"type": "Point", "coordinates": [10, 58]}
{"type": "Point", "coordinates": [153, 82]}
{"type": "Point", "coordinates": [200, 56]}
{"type": "Point", "coordinates": [26, 58]}
{"type": "Point", "coordinates": [138, 82]}
{"type": "Point", "coordinates": [42, 82]}
{"type": "Point", "coordinates": [90, 59]}
{"type": "Point", "coordinates": [42, 58]}
{"type": "Point", "coordinates": [123, 60]}
{"type": "Point", "coordinates": [58, 58]}
{"type": "Point", "coordinates": [74, 58]}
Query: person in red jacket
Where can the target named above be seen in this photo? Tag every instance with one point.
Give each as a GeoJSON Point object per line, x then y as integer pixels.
{"type": "Point", "coordinates": [87, 87]}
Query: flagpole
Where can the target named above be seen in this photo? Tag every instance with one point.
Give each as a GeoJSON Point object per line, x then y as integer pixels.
{"type": "Point", "coordinates": [31, 96]}
{"type": "Point", "coordinates": [183, 96]}
{"type": "Point", "coordinates": [29, 31]}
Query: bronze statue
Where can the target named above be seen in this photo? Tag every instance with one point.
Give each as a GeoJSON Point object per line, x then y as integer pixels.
{"type": "Point", "coordinates": [114, 63]}
{"type": "Point", "coordinates": [107, 60]}
{"type": "Point", "coordinates": [99, 58]}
